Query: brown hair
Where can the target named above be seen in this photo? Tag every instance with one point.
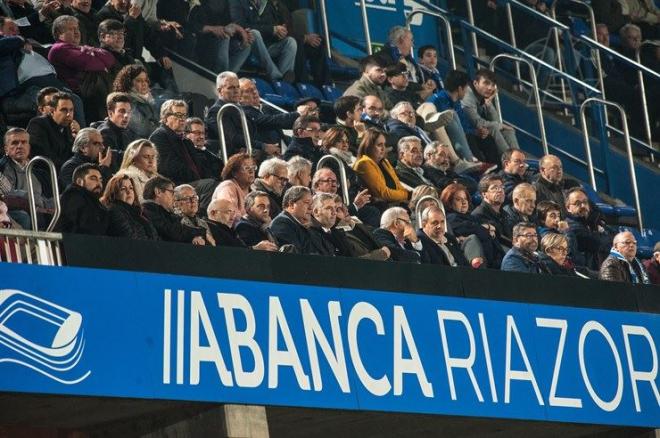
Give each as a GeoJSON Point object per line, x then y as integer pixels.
{"type": "Point", "coordinates": [447, 195]}
{"type": "Point", "coordinates": [111, 194]}
{"type": "Point", "coordinates": [332, 137]}
{"type": "Point", "coordinates": [233, 165]}
{"type": "Point", "coordinates": [369, 142]}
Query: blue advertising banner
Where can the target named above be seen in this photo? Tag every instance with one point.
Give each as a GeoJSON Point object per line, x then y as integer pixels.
{"type": "Point", "coordinates": [130, 334]}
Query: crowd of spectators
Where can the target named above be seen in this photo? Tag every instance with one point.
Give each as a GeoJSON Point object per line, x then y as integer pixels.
{"type": "Point", "coordinates": [432, 175]}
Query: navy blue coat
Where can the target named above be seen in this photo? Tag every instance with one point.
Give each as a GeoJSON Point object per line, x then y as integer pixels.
{"type": "Point", "coordinates": [408, 254]}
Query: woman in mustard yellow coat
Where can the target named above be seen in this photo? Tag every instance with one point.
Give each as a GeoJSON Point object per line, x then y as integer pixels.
{"type": "Point", "coordinates": [376, 172]}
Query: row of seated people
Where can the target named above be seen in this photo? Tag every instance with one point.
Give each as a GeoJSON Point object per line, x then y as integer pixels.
{"type": "Point", "coordinates": [494, 234]}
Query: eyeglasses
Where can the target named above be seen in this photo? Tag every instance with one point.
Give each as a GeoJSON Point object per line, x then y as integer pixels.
{"type": "Point", "coordinates": [282, 179]}
{"type": "Point", "coordinates": [313, 130]}
{"type": "Point", "coordinates": [404, 220]}
{"type": "Point", "coordinates": [116, 34]}
{"type": "Point", "coordinates": [529, 236]}
{"type": "Point", "coordinates": [328, 181]}
{"type": "Point", "coordinates": [561, 249]}
{"type": "Point", "coordinates": [579, 203]}
{"type": "Point", "coordinates": [628, 242]}
{"type": "Point", "coordinates": [189, 199]}
{"type": "Point", "coordinates": [249, 168]}
{"type": "Point", "coordinates": [496, 188]}
{"type": "Point", "coordinates": [180, 116]}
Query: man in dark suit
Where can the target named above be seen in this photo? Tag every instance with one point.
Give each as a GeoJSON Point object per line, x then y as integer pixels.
{"type": "Point", "coordinates": [490, 212]}
{"type": "Point", "coordinates": [290, 227]}
{"type": "Point", "coordinates": [439, 247]}
{"type": "Point", "coordinates": [409, 167]}
{"type": "Point", "coordinates": [252, 226]}
{"type": "Point", "coordinates": [221, 218]}
{"type": "Point", "coordinates": [82, 212]}
{"type": "Point", "coordinates": [306, 140]}
{"type": "Point", "coordinates": [114, 129]}
{"type": "Point", "coordinates": [397, 234]}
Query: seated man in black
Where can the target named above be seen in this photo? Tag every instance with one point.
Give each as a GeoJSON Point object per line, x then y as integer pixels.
{"type": "Point", "coordinates": [514, 171]}
{"type": "Point", "coordinates": [306, 140]}
{"type": "Point", "coordinates": [489, 212]}
{"type": "Point", "coordinates": [87, 148]}
{"type": "Point", "coordinates": [221, 217]}
{"type": "Point", "coordinates": [252, 228]}
{"type": "Point", "coordinates": [439, 169]}
{"type": "Point", "coordinates": [348, 111]}
{"type": "Point", "coordinates": [158, 207]}
{"type": "Point", "coordinates": [397, 89]}
{"type": "Point", "coordinates": [112, 35]}
{"type": "Point", "coordinates": [398, 235]}
{"type": "Point", "coordinates": [409, 167]}
{"type": "Point", "coordinates": [195, 131]}
{"type": "Point", "coordinates": [290, 227]}
{"type": "Point", "coordinates": [82, 212]}
{"type": "Point", "coordinates": [114, 129]}
{"type": "Point", "coordinates": [359, 240]}
{"type": "Point", "coordinates": [327, 240]}
{"type": "Point", "coordinates": [439, 247]}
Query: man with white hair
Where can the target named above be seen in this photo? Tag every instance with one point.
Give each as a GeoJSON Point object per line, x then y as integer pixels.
{"type": "Point", "coordinates": [522, 208]}
{"type": "Point", "coordinates": [439, 247]}
{"type": "Point", "coordinates": [186, 205]}
{"type": "Point", "coordinates": [439, 169]}
{"type": "Point", "coordinates": [228, 90]}
{"type": "Point", "coordinates": [273, 178]}
{"type": "Point", "coordinates": [621, 264]}
{"type": "Point", "coordinates": [398, 235]}
{"type": "Point", "coordinates": [300, 171]}
{"type": "Point", "coordinates": [88, 147]}
{"type": "Point", "coordinates": [326, 239]}
{"type": "Point", "coordinates": [402, 124]}
{"type": "Point", "coordinates": [409, 167]}
{"type": "Point", "coordinates": [221, 217]}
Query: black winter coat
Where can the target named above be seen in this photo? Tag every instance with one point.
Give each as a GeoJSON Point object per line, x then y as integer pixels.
{"type": "Point", "coordinates": [408, 254]}
{"type": "Point", "coordinates": [115, 137]}
{"type": "Point", "coordinates": [128, 221]}
{"type": "Point", "coordinates": [49, 139]}
{"type": "Point", "coordinates": [432, 253]}
{"type": "Point", "coordinates": [231, 123]}
{"type": "Point", "coordinates": [250, 231]}
{"type": "Point", "coordinates": [169, 225]}
{"type": "Point", "coordinates": [177, 158]}
{"type": "Point", "coordinates": [224, 235]}
{"type": "Point", "coordinates": [82, 213]}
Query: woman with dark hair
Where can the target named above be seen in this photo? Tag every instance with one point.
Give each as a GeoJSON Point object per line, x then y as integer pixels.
{"type": "Point", "coordinates": [335, 143]}
{"type": "Point", "coordinates": [376, 172]}
{"type": "Point", "coordinates": [134, 80]}
{"type": "Point", "coordinates": [456, 199]}
{"type": "Point", "coordinates": [126, 219]}
{"type": "Point", "coordinates": [237, 177]}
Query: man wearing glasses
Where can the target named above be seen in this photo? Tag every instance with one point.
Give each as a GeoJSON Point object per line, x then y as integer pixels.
{"type": "Point", "coordinates": [489, 212]}
{"type": "Point", "coordinates": [589, 231]}
{"type": "Point", "coordinates": [398, 235]}
{"type": "Point", "coordinates": [551, 183]}
{"type": "Point", "coordinates": [621, 264]}
{"type": "Point", "coordinates": [306, 140]}
{"type": "Point", "coordinates": [522, 255]}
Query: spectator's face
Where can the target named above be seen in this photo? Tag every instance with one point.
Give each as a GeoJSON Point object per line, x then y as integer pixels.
{"type": "Point", "coordinates": [312, 108]}
{"type": "Point", "coordinates": [249, 94]}
{"type": "Point", "coordinates": [356, 113]}
{"type": "Point", "coordinates": [440, 159]}
{"type": "Point", "coordinates": [632, 39]}
{"type": "Point", "coordinates": [10, 28]}
{"type": "Point", "coordinates": [120, 5]}
{"type": "Point", "coordinates": [525, 203]}
{"type": "Point", "coordinates": [341, 144]}
{"type": "Point", "coordinates": [558, 253]}
{"type": "Point", "coordinates": [114, 40]}
{"type": "Point", "coordinates": [82, 5]}
{"type": "Point", "coordinates": [17, 147]}
{"type": "Point", "coordinates": [626, 244]}
{"type": "Point", "coordinates": [552, 170]}
{"type": "Point", "coordinates": [230, 90]}
{"type": "Point", "coordinates": [92, 182]}
{"type": "Point", "coordinates": [399, 82]}
{"type": "Point", "coordinates": [527, 240]}
{"type": "Point", "coordinates": [460, 202]}
{"type": "Point", "coordinates": [302, 209]}
{"type": "Point", "coordinates": [187, 202]}
{"type": "Point", "coordinates": [516, 165]}
{"type": "Point", "coordinates": [165, 197]}
{"type": "Point", "coordinates": [577, 204]}
{"type": "Point", "coordinates": [326, 213]}
{"type": "Point", "coordinates": [399, 227]}
{"type": "Point", "coordinates": [376, 74]}
{"type": "Point", "coordinates": [434, 227]}
{"type": "Point", "coordinates": [141, 84]}
{"type": "Point", "coordinates": [378, 150]}
{"type": "Point", "coordinates": [94, 147]}
{"type": "Point", "coordinates": [147, 160]}
{"type": "Point", "coordinates": [197, 135]}
{"type": "Point", "coordinates": [126, 191]}
{"type": "Point", "coordinates": [495, 193]}
{"type": "Point", "coordinates": [260, 210]}
{"type": "Point", "coordinates": [603, 35]}
{"type": "Point", "coordinates": [278, 180]}
{"type": "Point", "coordinates": [485, 87]}
{"type": "Point", "coordinates": [46, 108]}
{"type": "Point", "coordinates": [407, 115]}
{"type": "Point", "coordinates": [373, 107]}
{"type": "Point", "coordinates": [405, 44]}
{"type": "Point", "coordinates": [305, 177]}
{"type": "Point", "coordinates": [313, 131]}
{"type": "Point", "coordinates": [222, 211]}
{"type": "Point", "coordinates": [63, 113]}
{"type": "Point", "coordinates": [70, 33]}
{"type": "Point", "coordinates": [430, 58]}
{"type": "Point", "coordinates": [413, 156]}
{"type": "Point", "coordinates": [327, 181]}
{"type": "Point", "coordinates": [245, 175]}
{"type": "Point", "coordinates": [121, 115]}
{"type": "Point", "coordinates": [176, 119]}
{"type": "Point", "coordinates": [342, 211]}
{"type": "Point", "coordinates": [552, 219]}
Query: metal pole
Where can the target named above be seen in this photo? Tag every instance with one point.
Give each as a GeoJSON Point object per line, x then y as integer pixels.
{"type": "Point", "coordinates": [31, 198]}
{"type": "Point", "coordinates": [626, 136]}
{"type": "Point", "coordinates": [272, 105]}
{"type": "Point", "coordinates": [535, 89]}
{"type": "Point", "coordinates": [447, 25]}
{"type": "Point", "coordinates": [471, 21]}
{"type": "Point", "coordinates": [365, 26]}
{"type": "Point", "coordinates": [342, 175]}
{"type": "Point", "coordinates": [326, 29]}
{"type": "Point", "coordinates": [419, 211]}
{"type": "Point", "coordinates": [512, 34]}
{"type": "Point", "coordinates": [560, 59]}
{"type": "Point", "coordinates": [244, 127]}
{"type": "Point", "coordinates": [642, 89]}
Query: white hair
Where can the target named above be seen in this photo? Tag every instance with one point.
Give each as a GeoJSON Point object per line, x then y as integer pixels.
{"type": "Point", "coordinates": [222, 77]}
{"type": "Point", "coordinates": [297, 164]}
{"type": "Point", "coordinates": [390, 215]}
{"type": "Point", "coordinates": [270, 167]}
{"type": "Point", "coordinates": [405, 143]}
{"type": "Point", "coordinates": [399, 108]}
{"type": "Point", "coordinates": [167, 106]}
{"type": "Point", "coordinates": [83, 138]}
{"type": "Point", "coordinates": [396, 33]}
{"type": "Point", "coordinates": [432, 147]}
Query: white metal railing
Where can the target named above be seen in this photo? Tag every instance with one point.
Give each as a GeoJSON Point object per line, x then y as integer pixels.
{"type": "Point", "coordinates": [244, 127]}
{"type": "Point", "coordinates": [31, 195]}
{"type": "Point", "coordinates": [31, 247]}
{"type": "Point", "coordinates": [342, 175]}
{"type": "Point", "coordinates": [365, 26]}
{"type": "Point", "coordinates": [447, 26]}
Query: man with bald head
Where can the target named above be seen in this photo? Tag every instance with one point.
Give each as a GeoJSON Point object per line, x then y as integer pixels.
{"type": "Point", "coordinates": [587, 229]}
{"type": "Point", "coordinates": [621, 264]}
{"type": "Point", "coordinates": [551, 183]}
{"type": "Point", "coordinates": [221, 214]}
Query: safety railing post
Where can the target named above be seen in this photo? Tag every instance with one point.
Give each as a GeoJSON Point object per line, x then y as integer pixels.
{"type": "Point", "coordinates": [512, 34]}
{"type": "Point", "coordinates": [642, 90]}
{"type": "Point", "coordinates": [535, 90]}
{"type": "Point", "coordinates": [419, 211]}
{"type": "Point", "coordinates": [31, 195]}
{"type": "Point", "coordinates": [626, 135]}
{"type": "Point", "coordinates": [365, 25]}
{"type": "Point", "coordinates": [447, 26]}
{"type": "Point", "coordinates": [244, 127]}
{"type": "Point", "coordinates": [558, 51]}
{"type": "Point", "coordinates": [342, 175]}
{"type": "Point", "coordinates": [326, 29]}
{"type": "Point", "coordinates": [473, 36]}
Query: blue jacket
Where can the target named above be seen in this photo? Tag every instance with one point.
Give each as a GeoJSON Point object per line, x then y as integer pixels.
{"type": "Point", "coordinates": [443, 101]}
{"type": "Point", "coordinates": [10, 56]}
{"type": "Point", "coordinates": [517, 261]}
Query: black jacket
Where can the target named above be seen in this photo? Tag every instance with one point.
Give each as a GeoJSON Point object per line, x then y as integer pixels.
{"type": "Point", "coordinates": [169, 225]}
{"type": "Point", "coordinates": [513, 217]}
{"type": "Point", "coordinates": [49, 139]}
{"type": "Point", "coordinates": [177, 158]}
{"type": "Point", "coordinates": [231, 123]}
{"type": "Point", "coordinates": [128, 221]}
{"type": "Point", "coordinates": [442, 179]}
{"type": "Point", "coordinates": [115, 137]}
{"type": "Point", "coordinates": [485, 213]}
{"type": "Point", "coordinates": [245, 13]}
{"type": "Point", "coordinates": [551, 267]}
{"type": "Point", "coordinates": [224, 235]}
{"type": "Point", "coordinates": [139, 34]}
{"type": "Point", "coordinates": [268, 127]}
{"type": "Point", "coordinates": [614, 269]}
{"type": "Point", "coordinates": [432, 253]}
{"type": "Point", "coordinates": [288, 231]}
{"type": "Point", "coordinates": [547, 191]}
{"type": "Point", "coordinates": [408, 254]}
{"type": "Point", "coordinates": [592, 245]}
{"type": "Point", "coordinates": [464, 224]}
{"type": "Point", "coordinates": [511, 180]}
{"type": "Point", "coordinates": [408, 176]}
{"type": "Point", "coordinates": [275, 200]}
{"type": "Point", "coordinates": [82, 213]}
{"type": "Point", "coordinates": [66, 172]}
{"type": "Point", "coordinates": [88, 24]}
{"type": "Point", "coordinates": [250, 231]}
{"type": "Point", "coordinates": [303, 146]}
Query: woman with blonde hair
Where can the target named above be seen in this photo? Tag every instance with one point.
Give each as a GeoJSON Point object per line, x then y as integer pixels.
{"type": "Point", "coordinates": [140, 163]}
{"type": "Point", "coordinates": [554, 255]}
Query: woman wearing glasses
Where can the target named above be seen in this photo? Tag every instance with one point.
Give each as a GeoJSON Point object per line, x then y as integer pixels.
{"type": "Point", "coordinates": [554, 255]}
{"type": "Point", "coordinates": [126, 218]}
{"type": "Point", "coordinates": [237, 177]}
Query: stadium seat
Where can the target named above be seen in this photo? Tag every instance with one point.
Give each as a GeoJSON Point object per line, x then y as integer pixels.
{"type": "Point", "coordinates": [309, 90]}
{"type": "Point", "coordinates": [267, 92]}
{"type": "Point", "coordinates": [331, 92]}
{"type": "Point", "coordinates": [287, 92]}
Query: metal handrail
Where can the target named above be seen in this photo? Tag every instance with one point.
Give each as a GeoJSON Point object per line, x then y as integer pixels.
{"type": "Point", "coordinates": [512, 35]}
{"type": "Point", "coordinates": [342, 175]}
{"type": "Point", "coordinates": [244, 127]}
{"type": "Point", "coordinates": [326, 29]}
{"type": "Point", "coordinates": [418, 211]}
{"type": "Point", "coordinates": [365, 26]}
{"type": "Point", "coordinates": [445, 21]}
{"type": "Point", "coordinates": [642, 89]}
{"type": "Point", "coordinates": [272, 105]}
{"type": "Point", "coordinates": [470, 13]}
{"type": "Point", "coordinates": [626, 136]}
{"type": "Point", "coordinates": [31, 197]}
{"type": "Point", "coordinates": [535, 89]}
